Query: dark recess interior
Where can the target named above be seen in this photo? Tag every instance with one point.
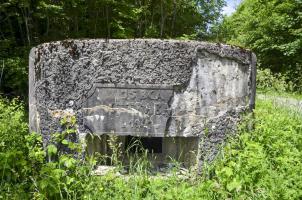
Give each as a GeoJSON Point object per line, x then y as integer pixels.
{"type": "Point", "coordinates": [139, 144]}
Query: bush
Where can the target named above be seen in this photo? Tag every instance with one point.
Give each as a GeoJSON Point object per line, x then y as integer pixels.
{"type": "Point", "coordinates": [269, 82]}
{"type": "Point", "coordinates": [296, 77]}
{"type": "Point", "coordinates": [14, 79]}
{"type": "Point", "coordinates": [265, 163]}
{"type": "Point", "coordinates": [13, 126]}
{"type": "Point", "coordinates": [13, 150]}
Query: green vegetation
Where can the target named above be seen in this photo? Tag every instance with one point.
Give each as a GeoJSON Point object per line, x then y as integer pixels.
{"type": "Point", "coordinates": [273, 30]}
{"type": "Point", "coordinates": [261, 164]}
{"type": "Point", "coordinates": [269, 82]}
{"type": "Point", "coordinates": [275, 85]}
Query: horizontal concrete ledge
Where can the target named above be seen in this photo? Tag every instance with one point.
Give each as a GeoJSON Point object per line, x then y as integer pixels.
{"type": "Point", "coordinates": [230, 51]}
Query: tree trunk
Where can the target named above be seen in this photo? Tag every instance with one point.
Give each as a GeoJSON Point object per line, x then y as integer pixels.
{"type": "Point", "coordinates": [107, 22]}
{"type": "Point", "coordinates": [162, 18]}
{"type": "Point", "coordinates": [25, 17]}
{"type": "Point", "coordinates": [174, 18]}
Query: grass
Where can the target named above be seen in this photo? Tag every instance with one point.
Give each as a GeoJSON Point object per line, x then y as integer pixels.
{"type": "Point", "coordinates": [297, 96]}
{"type": "Point", "coordinates": [265, 163]}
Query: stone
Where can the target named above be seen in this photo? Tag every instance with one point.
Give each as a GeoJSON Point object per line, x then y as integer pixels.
{"type": "Point", "coordinates": [102, 170]}
{"type": "Point", "coordinates": [144, 88]}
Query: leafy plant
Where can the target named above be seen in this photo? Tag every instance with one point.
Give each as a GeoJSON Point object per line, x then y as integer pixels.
{"type": "Point", "coordinates": [267, 81]}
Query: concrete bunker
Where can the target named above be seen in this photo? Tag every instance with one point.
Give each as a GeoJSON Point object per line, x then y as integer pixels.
{"type": "Point", "coordinates": [177, 96]}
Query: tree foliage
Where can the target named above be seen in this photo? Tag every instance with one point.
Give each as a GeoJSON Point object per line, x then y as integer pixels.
{"type": "Point", "coordinates": [272, 29]}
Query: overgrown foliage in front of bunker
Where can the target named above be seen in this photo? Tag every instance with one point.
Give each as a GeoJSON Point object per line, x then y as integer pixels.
{"type": "Point", "coordinates": [261, 164]}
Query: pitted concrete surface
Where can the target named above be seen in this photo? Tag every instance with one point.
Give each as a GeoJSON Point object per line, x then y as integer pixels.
{"type": "Point", "coordinates": [152, 88]}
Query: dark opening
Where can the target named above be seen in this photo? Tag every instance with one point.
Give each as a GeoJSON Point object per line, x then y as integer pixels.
{"type": "Point", "coordinates": [139, 144]}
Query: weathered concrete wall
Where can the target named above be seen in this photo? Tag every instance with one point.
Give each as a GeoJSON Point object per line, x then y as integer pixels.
{"type": "Point", "coordinates": [158, 88]}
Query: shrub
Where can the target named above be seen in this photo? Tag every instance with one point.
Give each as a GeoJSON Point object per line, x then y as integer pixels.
{"type": "Point", "coordinates": [296, 77]}
{"type": "Point", "coordinates": [267, 81]}
{"type": "Point", "coordinates": [14, 167]}
{"type": "Point", "coordinates": [265, 163]}
{"type": "Point", "coordinates": [14, 71]}
{"type": "Point", "coordinates": [13, 126]}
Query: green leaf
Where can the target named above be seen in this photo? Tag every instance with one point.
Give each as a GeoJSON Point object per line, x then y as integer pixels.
{"type": "Point", "coordinates": [69, 180]}
{"type": "Point", "coordinates": [235, 184]}
{"type": "Point", "coordinates": [65, 142]}
{"type": "Point", "coordinates": [228, 171]}
{"type": "Point", "coordinates": [70, 162]}
{"type": "Point", "coordinates": [52, 149]}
